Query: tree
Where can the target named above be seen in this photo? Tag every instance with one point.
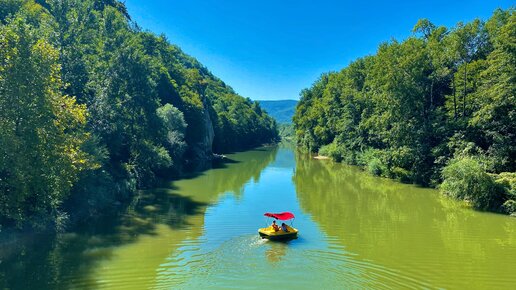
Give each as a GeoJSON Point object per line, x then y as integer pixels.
{"type": "Point", "coordinates": [175, 127]}
{"type": "Point", "coordinates": [425, 27]}
{"type": "Point", "coordinates": [495, 116]}
{"type": "Point", "coordinates": [41, 132]}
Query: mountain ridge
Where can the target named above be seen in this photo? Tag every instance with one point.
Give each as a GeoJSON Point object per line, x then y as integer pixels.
{"type": "Point", "coordinates": [281, 110]}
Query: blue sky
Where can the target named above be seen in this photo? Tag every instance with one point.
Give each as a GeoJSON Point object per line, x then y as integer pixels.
{"type": "Point", "coordinates": [270, 50]}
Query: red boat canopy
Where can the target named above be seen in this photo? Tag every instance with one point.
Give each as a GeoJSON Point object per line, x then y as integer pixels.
{"type": "Point", "coordinates": [280, 216]}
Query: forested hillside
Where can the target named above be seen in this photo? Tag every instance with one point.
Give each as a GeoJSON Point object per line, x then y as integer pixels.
{"type": "Point", "coordinates": [281, 110]}
{"type": "Point", "coordinates": [93, 108]}
{"type": "Point", "coordinates": [438, 109]}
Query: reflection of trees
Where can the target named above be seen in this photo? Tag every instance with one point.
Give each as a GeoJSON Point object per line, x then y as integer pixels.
{"type": "Point", "coordinates": [326, 188]}
{"type": "Point", "coordinates": [405, 227]}
{"type": "Point", "coordinates": [229, 176]}
{"type": "Point", "coordinates": [71, 260]}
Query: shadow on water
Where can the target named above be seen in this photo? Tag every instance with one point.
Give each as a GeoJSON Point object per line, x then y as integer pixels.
{"type": "Point", "coordinates": [215, 164]}
{"type": "Point", "coordinates": [262, 148]}
{"type": "Point", "coordinates": [66, 261]}
{"type": "Point", "coordinates": [47, 261]}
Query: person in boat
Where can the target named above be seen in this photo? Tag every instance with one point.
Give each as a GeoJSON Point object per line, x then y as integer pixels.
{"type": "Point", "coordinates": [284, 227]}
{"type": "Point", "coordinates": [275, 226]}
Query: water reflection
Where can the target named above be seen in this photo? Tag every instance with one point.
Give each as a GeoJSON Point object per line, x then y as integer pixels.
{"type": "Point", "coordinates": [230, 175]}
{"type": "Point", "coordinates": [277, 251]}
{"type": "Point", "coordinates": [407, 229]}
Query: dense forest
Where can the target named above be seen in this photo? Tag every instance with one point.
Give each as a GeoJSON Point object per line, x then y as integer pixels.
{"type": "Point", "coordinates": [437, 109]}
{"type": "Point", "coordinates": [93, 108]}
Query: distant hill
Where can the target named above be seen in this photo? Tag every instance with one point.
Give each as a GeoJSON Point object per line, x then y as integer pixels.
{"type": "Point", "coordinates": [282, 110]}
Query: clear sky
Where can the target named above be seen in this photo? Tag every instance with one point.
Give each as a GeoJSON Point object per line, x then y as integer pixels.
{"type": "Point", "coordinates": [270, 50]}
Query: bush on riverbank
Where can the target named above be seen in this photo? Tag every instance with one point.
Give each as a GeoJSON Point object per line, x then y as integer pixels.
{"type": "Point", "coordinates": [286, 132]}
{"type": "Point", "coordinates": [466, 179]}
{"type": "Point", "coordinates": [508, 181]}
{"type": "Point", "coordinates": [331, 150]}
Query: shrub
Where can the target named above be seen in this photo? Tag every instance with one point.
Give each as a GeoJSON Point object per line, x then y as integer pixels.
{"type": "Point", "coordinates": [465, 178]}
{"type": "Point", "coordinates": [509, 206]}
{"type": "Point", "coordinates": [402, 174]}
{"type": "Point", "coordinates": [374, 166]}
{"type": "Point", "coordinates": [374, 161]}
{"type": "Point", "coordinates": [332, 150]}
{"type": "Point", "coordinates": [367, 155]}
{"type": "Point", "coordinates": [508, 181]}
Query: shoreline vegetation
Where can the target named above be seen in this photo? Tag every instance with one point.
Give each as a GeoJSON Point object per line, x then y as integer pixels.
{"type": "Point", "coordinates": [93, 108]}
{"type": "Point", "coordinates": [437, 109]}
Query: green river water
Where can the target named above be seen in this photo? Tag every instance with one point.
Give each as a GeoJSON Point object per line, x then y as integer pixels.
{"type": "Point", "coordinates": [355, 232]}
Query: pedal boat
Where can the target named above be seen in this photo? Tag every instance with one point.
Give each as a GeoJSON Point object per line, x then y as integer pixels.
{"type": "Point", "coordinates": [271, 234]}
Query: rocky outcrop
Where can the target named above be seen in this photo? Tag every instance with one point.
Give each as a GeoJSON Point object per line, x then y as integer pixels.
{"type": "Point", "coordinates": [207, 143]}
{"type": "Point", "coordinates": [201, 153]}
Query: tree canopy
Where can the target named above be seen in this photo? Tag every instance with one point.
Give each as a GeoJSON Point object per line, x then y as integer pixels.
{"type": "Point", "coordinates": [92, 108]}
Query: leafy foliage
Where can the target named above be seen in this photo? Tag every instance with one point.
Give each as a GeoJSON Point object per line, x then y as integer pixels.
{"type": "Point", "coordinates": [92, 108]}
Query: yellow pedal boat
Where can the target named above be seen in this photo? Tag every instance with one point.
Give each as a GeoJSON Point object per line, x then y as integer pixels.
{"type": "Point", "coordinates": [278, 233]}
{"type": "Point", "coordinates": [271, 234]}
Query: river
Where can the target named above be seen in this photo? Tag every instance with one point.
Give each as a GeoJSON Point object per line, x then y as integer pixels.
{"type": "Point", "coordinates": [200, 232]}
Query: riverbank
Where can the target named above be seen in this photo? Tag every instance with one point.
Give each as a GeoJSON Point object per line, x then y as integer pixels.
{"type": "Point", "coordinates": [321, 157]}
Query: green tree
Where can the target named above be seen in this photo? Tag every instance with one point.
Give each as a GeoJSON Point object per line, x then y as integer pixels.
{"type": "Point", "coordinates": [495, 115]}
{"type": "Point", "coordinates": [175, 127]}
{"type": "Point", "coordinates": [41, 130]}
